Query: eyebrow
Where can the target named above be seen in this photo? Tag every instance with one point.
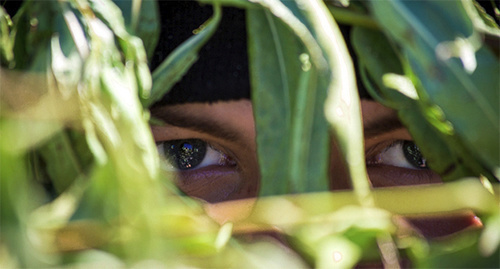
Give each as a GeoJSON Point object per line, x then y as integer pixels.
{"type": "Point", "coordinates": [199, 123]}
{"type": "Point", "coordinates": [383, 125]}
{"type": "Point", "coordinates": [213, 127]}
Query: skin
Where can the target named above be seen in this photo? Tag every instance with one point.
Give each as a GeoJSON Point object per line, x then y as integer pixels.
{"type": "Point", "coordinates": [230, 171]}
{"type": "Point", "coordinates": [215, 183]}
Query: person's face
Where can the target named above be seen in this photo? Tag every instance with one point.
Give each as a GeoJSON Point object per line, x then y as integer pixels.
{"type": "Point", "coordinates": [212, 149]}
{"type": "Point", "coordinates": [229, 168]}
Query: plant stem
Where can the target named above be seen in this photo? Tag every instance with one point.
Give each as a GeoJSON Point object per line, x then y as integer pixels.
{"type": "Point", "coordinates": [346, 16]}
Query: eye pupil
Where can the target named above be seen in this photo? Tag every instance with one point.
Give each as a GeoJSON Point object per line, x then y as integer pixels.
{"type": "Point", "coordinates": [413, 155]}
{"type": "Point", "coordinates": [186, 147]}
{"type": "Point", "coordinates": [186, 154]}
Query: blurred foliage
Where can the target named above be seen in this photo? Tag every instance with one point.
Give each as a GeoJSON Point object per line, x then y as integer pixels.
{"type": "Point", "coordinates": [441, 61]}
{"type": "Point", "coordinates": [80, 183]}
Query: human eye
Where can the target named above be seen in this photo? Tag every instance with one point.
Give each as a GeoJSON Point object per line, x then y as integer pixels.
{"type": "Point", "coordinates": [191, 154]}
{"type": "Point", "coordinates": [401, 153]}
{"type": "Point", "coordinates": [201, 169]}
{"type": "Point", "coordinates": [397, 163]}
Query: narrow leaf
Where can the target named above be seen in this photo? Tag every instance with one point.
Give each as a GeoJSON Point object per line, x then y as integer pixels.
{"type": "Point", "coordinates": [181, 59]}
{"type": "Point", "coordinates": [142, 19]}
{"type": "Point", "coordinates": [292, 136]}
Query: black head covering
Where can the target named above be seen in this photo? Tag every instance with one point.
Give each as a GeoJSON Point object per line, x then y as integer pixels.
{"type": "Point", "coordinates": [221, 72]}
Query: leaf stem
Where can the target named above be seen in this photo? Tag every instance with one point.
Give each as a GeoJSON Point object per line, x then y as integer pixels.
{"type": "Point", "coordinates": [346, 16]}
{"type": "Point", "coordinates": [426, 200]}
{"type": "Point", "coordinates": [136, 11]}
{"type": "Point", "coordinates": [71, 153]}
{"type": "Point", "coordinates": [342, 106]}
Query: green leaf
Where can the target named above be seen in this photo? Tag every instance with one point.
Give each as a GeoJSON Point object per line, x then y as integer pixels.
{"type": "Point", "coordinates": [481, 19]}
{"type": "Point", "coordinates": [377, 60]}
{"type": "Point", "coordinates": [287, 93]}
{"type": "Point", "coordinates": [311, 22]}
{"type": "Point", "coordinates": [244, 4]}
{"type": "Point", "coordinates": [457, 252]}
{"type": "Point", "coordinates": [342, 106]}
{"type": "Point", "coordinates": [93, 258]}
{"type": "Point", "coordinates": [289, 211]}
{"type": "Point", "coordinates": [33, 28]}
{"type": "Point", "coordinates": [354, 14]}
{"type": "Point", "coordinates": [6, 48]}
{"type": "Point", "coordinates": [16, 140]}
{"type": "Point", "coordinates": [66, 157]}
{"type": "Point", "coordinates": [131, 46]}
{"type": "Point", "coordinates": [354, 230]}
{"type": "Point", "coordinates": [181, 59]}
{"type": "Point", "coordinates": [142, 19]}
{"type": "Point", "coordinates": [18, 197]}
{"type": "Point", "coordinates": [489, 242]}
{"type": "Point", "coordinates": [446, 55]}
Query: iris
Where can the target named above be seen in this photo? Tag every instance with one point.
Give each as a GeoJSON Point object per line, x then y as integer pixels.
{"type": "Point", "coordinates": [185, 154]}
{"type": "Point", "coordinates": [413, 155]}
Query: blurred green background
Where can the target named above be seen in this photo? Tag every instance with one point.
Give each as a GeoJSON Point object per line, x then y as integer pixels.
{"type": "Point", "coordinates": [81, 183]}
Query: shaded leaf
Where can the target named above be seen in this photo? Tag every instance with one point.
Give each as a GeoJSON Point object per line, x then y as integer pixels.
{"type": "Point", "coordinates": [342, 105]}
{"type": "Point", "coordinates": [470, 74]}
{"type": "Point", "coordinates": [456, 252]}
{"type": "Point", "coordinates": [292, 136]}
{"type": "Point", "coordinates": [66, 157]}
{"type": "Point", "coordinates": [378, 60]}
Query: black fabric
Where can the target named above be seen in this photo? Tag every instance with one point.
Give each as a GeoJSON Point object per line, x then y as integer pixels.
{"type": "Point", "coordinates": [221, 72]}
{"type": "Point", "coordinates": [11, 6]}
{"type": "Point", "coordinates": [346, 33]}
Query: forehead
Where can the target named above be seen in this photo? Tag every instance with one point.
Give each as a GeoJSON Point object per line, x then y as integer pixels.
{"type": "Point", "coordinates": [373, 112]}
{"type": "Point", "coordinates": [231, 120]}
{"type": "Point", "coordinates": [240, 113]}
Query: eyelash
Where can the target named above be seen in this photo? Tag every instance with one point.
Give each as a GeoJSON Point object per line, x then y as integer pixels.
{"type": "Point", "coordinates": [192, 154]}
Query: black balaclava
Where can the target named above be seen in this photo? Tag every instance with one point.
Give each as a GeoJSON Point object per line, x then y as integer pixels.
{"type": "Point", "coordinates": [221, 72]}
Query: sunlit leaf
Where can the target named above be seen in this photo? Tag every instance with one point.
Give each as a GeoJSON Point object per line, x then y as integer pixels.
{"type": "Point", "coordinates": [489, 242]}
{"type": "Point", "coordinates": [303, 208]}
{"type": "Point", "coordinates": [16, 140]}
{"type": "Point", "coordinates": [342, 106]}
{"type": "Point", "coordinates": [142, 20]}
{"type": "Point", "coordinates": [6, 50]}
{"type": "Point", "coordinates": [17, 198]}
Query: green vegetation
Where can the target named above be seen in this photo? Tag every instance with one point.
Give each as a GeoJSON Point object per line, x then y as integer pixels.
{"type": "Point", "coordinates": [75, 88]}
